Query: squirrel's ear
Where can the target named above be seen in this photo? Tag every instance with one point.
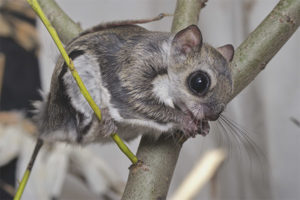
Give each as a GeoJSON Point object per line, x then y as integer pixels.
{"type": "Point", "coordinates": [227, 52]}
{"type": "Point", "coordinates": [187, 40]}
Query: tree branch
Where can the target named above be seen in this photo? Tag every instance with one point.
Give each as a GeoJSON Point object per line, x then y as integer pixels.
{"type": "Point", "coordinates": [64, 25]}
{"type": "Point", "coordinates": [152, 180]}
{"type": "Point", "coordinates": [186, 13]}
{"type": "Point", "coordinates": [264, 42]}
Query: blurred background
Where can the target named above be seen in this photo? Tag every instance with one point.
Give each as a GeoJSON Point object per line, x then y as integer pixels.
{"type": "Point", "coordinates": [263, 159]}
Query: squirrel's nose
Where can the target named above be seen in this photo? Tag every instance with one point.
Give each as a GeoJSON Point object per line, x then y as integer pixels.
{"type": "Point", "coordinates": [213, 113]}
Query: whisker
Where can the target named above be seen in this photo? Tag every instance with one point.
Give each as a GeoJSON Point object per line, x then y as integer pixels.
{"type": "Point", "coordinates": [227, 144]}
{"type": "Point", "coordinates": [255, 154]}
{"type": "Point", "coordinates": [233, 132]}
{"type": "Point", "coordinates": [243, 136]}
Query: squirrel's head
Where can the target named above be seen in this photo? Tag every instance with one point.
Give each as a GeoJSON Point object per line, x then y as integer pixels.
{"type": "Point", "coordinates": [200, 77]}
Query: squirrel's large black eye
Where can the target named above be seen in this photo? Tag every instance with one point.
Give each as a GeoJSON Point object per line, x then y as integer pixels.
{"type": "Point", "coordinates": [199, 82]}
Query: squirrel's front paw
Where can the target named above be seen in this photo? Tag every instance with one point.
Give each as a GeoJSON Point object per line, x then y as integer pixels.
{"type": "Point", "coordinates": [192, 127]}
{"type": "Point", "coordinates": [189, 127]}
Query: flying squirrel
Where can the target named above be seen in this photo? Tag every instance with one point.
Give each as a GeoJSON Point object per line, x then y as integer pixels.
{"type": "Point", "coordinates": [144, 82]}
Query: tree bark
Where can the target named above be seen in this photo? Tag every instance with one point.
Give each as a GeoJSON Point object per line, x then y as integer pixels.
{"type": "Point", "coordinates": [151, 180]}
{"type": "Point", "coordinates": [264, 42]}
{"type": "Point", "coordinates": [186, 13]}
{"type": "Point", "coordinates": [65, 27]}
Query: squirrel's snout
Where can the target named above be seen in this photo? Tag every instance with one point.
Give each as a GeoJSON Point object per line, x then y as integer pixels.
{"type": "Point", "coordinates": [212, 114]}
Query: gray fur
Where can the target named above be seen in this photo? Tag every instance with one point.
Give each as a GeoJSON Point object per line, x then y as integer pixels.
{"type": "Point", "coordinates": [138, 79]}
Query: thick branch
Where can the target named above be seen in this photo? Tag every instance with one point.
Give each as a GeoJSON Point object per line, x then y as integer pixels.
{"type": "Point", "coordinates": [152, 180]}
{"type": "Point", "coordinates": [64, 25]}
{"type": "Point", "coordinates": [187, 12]}
{"type": "Point", "coordinates": [264, 42]}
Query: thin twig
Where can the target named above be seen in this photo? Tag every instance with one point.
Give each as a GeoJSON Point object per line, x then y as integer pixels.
{"type": "Point", "coordinates": [107, 25]}
{"type": "Point", "coordinates": [26, 175]}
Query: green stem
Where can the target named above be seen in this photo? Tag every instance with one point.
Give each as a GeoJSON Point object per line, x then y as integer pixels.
{"type": "Point", "coordinates": [26, 175]}
{"type": "Point", "coordinates": [124, 148]}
